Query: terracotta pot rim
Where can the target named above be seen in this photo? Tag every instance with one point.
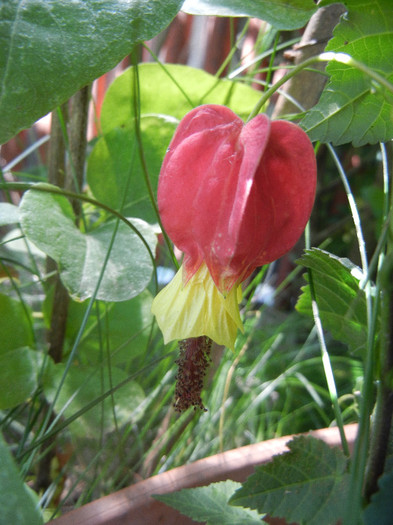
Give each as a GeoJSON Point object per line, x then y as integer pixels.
{"type": "Point", "coordinates": [134, 505]}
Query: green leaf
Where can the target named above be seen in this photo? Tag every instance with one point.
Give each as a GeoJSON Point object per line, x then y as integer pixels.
{"type": "Point", "coordinates": [122, 328]}
{"type": "Point", "coordinates": [380, 509]}
{"type": "Point", "coordinates": [50, 48]}
{"type": "Point", "coordinates": [352, 107]}
{"type": "Point", "coordinates": [18, 503]}
{"type": "Point", "coordinates": [210, 504]}
{"type": "Point", "coordinates": [18, 376]}
{"type": "Point", "coordinates": [282, 14]}
{"type": "Point", "coordinates": [306, 485]}
{"type": "Point", "coordinates": [114, 171]}
{"type": "Point", "coordinates": [48, 221]}
{"type": "Point", "coordinates": [15, 325]}
{"type": "Point", "coordinates": [341, 303]}
{"type": "Point", "coordinates": [9, 213]}
{"type": "Point", "coordinates": [83, 385]}
{"type": "Point", "coordinates": [181, 89]}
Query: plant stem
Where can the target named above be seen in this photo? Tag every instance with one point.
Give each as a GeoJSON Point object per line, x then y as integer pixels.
{"type": "Point", "coordinates": [56, 176]}
{"type": "Point", "coordinates": [77, 134]}
{"type": "Point", "coordinates": [382, 420]}
{"type": "Point", "coordinates": [342, 58]}
{"type": "Point", "coordinates": [64, 175]}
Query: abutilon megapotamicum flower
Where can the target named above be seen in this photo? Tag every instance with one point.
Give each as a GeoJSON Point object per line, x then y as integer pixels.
{"type": "Point", "coordinates": [232, 197]}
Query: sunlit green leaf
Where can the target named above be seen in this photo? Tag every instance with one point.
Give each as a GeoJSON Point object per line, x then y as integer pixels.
{"type": "Point", "coordinates": [48, 221]}
{"type": "Point", "coordinates": [18, 503]}
{"type": "Point", "coordinates": [51, 48]}
{"type": "Point", "coordinates": [282, 14]}
{"type": "Point", "coordinates": [306, 485]}
{"type": "Point", "coordinates": [353, 108]}
{"type": "Point", "coordinates": [181, 88]}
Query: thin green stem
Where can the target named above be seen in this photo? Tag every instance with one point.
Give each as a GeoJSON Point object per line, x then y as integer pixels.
{"type": "Point", "coordinates": [323, 57]}
{"type": "Point", "coordinates": [382, 419]}
{"type": "Point", "coordinates": [327, 365]}
{"type": "Point", "coordinates": [143, 161]}
{"type": "Point", "coordinates": [46, 188]}
{"type": "Point", "coordinates": [326, 362]}
{"type": "Point", "coordinates": [359, 459]}
{"type": "Point", "coordinates": [229, 57]}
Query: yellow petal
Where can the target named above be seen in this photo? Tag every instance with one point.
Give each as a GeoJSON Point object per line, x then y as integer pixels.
{"type": "Point", "coordinates": [198, 308]}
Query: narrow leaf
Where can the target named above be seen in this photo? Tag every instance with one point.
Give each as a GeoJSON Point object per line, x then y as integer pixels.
{"type": "Point", "coordinates": [121, 327]}
{"type": "Point", "coordinates": [82, 385]}
{"type": "Point", "coordinates": [306, 485]}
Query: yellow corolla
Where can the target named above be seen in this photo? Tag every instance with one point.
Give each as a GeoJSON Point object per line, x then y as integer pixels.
{"type": "Point", "coordinates": [198, 308]}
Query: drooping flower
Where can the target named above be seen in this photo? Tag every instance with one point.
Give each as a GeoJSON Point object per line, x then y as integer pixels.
{"type": "Point", "coordinates": [232, 197]}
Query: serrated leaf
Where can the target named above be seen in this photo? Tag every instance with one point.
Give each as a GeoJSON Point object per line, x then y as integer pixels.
{"type": "Point", "coordinates": [181, 89]}
{"type": "Point", "coordinates": [18, 503]}
{"type": "Point", "coordinates": [341, 302]}
{"type": "Point", "coordinates": [282, 14]}
{"type": "Point", "coordinates": [352, 107]}
{"type": "Point", "coordinates": [380, 510]}
{"type": "Point", "coordinates": [210, 505]}
{"type": "Point", "coordinates": [48, 221]}
{"type": "Point", "coordinates": [306, 485]}
{"type": "Point", "coordinates": [51, 48]}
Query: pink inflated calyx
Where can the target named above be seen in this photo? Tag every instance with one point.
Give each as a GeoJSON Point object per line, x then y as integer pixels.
{"type": "Point", "coordinates": [235, 196]}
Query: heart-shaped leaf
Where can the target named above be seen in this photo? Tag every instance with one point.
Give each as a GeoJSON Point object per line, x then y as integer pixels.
{"type": "Point", "coordinates": [48, 221]}
{"type": "Point", "coordinates": [9, 213]}
{"type": "Point", "coordinates": [181, 89]}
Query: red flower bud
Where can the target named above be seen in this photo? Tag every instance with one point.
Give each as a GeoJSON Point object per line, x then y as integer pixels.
{"type": "Point", "coordinates": [235, 196]}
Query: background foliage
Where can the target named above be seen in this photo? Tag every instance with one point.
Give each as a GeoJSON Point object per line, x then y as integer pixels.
{"type": "Point", "coordinates": [86, 382]}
